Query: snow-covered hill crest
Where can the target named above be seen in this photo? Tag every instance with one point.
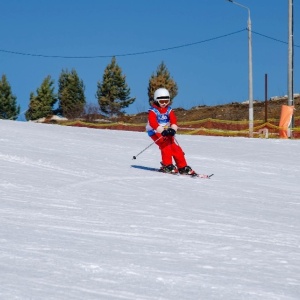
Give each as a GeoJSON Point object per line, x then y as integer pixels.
{"type": "Point", "coordinates": [77, 222]}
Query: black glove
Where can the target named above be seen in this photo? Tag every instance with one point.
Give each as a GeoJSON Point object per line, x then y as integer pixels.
{"type": "Point", "coordinates": [171, 131]}
{"type": "Point", "coordinates": [165, 132]}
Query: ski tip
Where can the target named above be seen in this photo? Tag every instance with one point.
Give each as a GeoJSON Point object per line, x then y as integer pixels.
{"type": "Point", "coordinates": [203, 176]}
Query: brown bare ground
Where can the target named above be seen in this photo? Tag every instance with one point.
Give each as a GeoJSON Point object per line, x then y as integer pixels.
{"type": "Point", "coordinates": [228, 119]}
{"type": "Point", "coordinates": [231, 112]}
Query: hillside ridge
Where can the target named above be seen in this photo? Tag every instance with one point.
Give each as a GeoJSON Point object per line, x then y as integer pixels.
{"type": "Point", "coordinates": [235, 111]}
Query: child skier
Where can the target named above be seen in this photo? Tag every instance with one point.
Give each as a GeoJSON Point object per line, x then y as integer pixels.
{"type": "Point", "coordinates": [161, 127]}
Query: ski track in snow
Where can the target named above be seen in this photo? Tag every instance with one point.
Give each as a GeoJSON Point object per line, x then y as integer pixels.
{"type": "Point", "coordinates": [77, 222]}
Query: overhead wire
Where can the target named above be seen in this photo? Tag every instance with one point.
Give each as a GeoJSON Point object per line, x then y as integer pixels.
{"type": "Point", "coordinates": [142, 52]}
{"type": "Point", "coordinates": [271, 38]}
{"type": "Point", "coordinates": [124, 54]}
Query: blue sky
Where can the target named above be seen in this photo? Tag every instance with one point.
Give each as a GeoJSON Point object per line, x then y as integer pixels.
{"type": "Point", "coordinates": [211, 71]}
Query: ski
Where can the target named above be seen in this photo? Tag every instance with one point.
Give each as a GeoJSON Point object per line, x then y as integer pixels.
{"type": "Point", "coordinates": [205, 176]}
{"type": "Point", "coordinates": [195, 175]}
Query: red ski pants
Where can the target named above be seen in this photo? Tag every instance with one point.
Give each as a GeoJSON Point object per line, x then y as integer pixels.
{"type": "Point", "coordinates": [170, 150]}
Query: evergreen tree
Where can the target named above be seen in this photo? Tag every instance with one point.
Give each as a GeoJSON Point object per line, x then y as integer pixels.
{"type": "Point", "coordinates": [113, 92]}
{"type": "Point", "coordinates": [8, 102]}
{"type": "Point", "coordinates": [71, 94]}
{"type": "Point", "coordinates": [41, 104]}
{"type": "Point", "coordinates": [162, 78]}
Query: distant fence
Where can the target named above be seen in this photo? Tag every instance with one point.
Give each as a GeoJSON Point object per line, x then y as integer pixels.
{"type": "Point", "coordinates": [211, 127]}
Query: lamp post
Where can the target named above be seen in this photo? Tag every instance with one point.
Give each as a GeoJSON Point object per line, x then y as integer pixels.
{"type": "Point", "coordinates": [250, 76]}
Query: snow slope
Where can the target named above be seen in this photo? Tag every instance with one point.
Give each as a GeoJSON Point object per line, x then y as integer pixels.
{"type": "Point", "coordinates": [78, 222]}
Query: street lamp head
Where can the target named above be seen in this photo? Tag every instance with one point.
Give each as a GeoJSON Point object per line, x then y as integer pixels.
{"type": "Point", "coordinates": [230, 0]}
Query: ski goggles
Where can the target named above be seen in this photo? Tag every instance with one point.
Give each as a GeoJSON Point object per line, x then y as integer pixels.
{"type": "Point", "coordinates": [163, 101]}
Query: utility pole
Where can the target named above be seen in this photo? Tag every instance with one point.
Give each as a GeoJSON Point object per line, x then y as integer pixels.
{"type": "Point", "coordinates": [291, 63]}
{"type": "Point", "coordinates": [266, 98]}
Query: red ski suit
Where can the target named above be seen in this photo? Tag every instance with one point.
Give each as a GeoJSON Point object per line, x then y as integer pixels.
{"type": "Point", "coordinates": [168, 146]}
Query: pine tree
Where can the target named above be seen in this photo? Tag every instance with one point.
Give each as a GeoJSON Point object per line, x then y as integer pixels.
{"type": "Point", "coordinates": [162, 78]}
{"type": "Point", "coordinates": [71, 94]}
{"type": "Point", "coordinates": [41, 104]}
{"type": "Point", "coordinates": [113, 92]}
{"type": "Point", "coordinates": [8, 102]}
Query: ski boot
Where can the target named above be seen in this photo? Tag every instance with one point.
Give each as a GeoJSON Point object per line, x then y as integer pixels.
{"type": "Point", "coordinates": [168, 169]}
{"type": "Point", "coordinates": [187, 170]}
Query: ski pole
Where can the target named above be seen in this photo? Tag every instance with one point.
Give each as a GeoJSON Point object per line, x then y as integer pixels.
{"type": "Point", "coordinates": [134, 157]}
{"type": "Point", "coordinates": [178, 144]}
{"type": "Point", "coordinates": [176, 141]}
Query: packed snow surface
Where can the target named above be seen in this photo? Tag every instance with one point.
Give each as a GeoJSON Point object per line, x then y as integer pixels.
{"type": "Point", "coordinates": [80, 219]}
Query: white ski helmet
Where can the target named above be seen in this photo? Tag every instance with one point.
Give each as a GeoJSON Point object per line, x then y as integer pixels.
{"type": "Point", "coordinates": [161, 93]}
